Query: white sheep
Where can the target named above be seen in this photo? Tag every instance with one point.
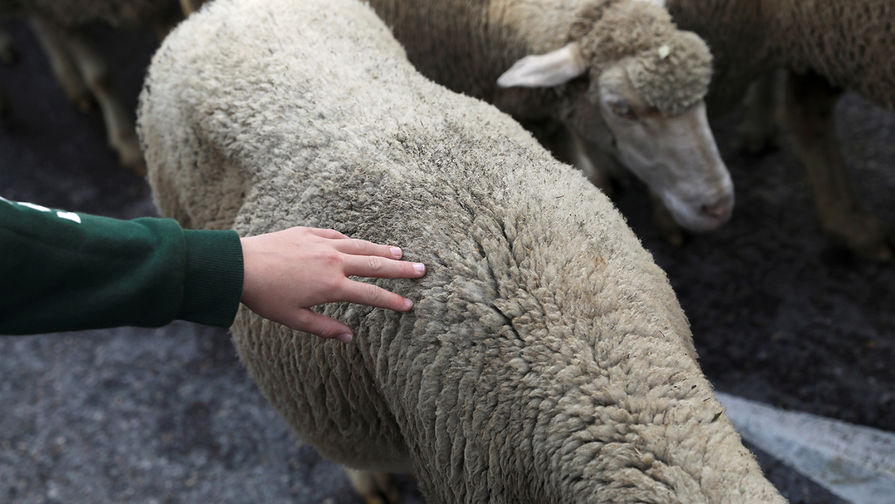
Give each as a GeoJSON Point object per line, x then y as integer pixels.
{"type": "Point", "coordinates": [80, 69]}
{"type": "Point", "coordinates": [617, 74]}
{"type": "Point", "coordinates": [547, 358]}
{"type": "Point", "coordinates": [846, 43]}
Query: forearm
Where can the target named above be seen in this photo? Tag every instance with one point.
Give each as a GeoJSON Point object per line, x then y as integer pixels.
{"type": "Point", "coordinates": [65, 271]}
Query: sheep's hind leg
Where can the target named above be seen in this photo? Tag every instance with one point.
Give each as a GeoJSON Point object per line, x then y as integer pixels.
{"type": "Point", "coordinates": [62, 66]}
{"type": "Point", "coordinates": [119, 126]}
{"type": "Point", "coordinates": [808, 110]}
{"type": "Point", "coordinates": [374, 487]}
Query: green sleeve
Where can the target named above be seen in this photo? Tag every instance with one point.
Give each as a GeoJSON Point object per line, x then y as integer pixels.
{"type": "Point", "coordinates": [64, 271]}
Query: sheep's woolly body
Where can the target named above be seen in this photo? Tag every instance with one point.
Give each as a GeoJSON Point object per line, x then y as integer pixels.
{"type": "Point", "coordinates": [546, 359]}
{"type": "Point", "coordinates": [487, 37]}
{"type": "Point", "coordinates": [850, 42]}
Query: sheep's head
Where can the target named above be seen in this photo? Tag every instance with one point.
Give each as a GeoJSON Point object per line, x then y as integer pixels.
{"type": "Point", "coordinates": [643, 102]}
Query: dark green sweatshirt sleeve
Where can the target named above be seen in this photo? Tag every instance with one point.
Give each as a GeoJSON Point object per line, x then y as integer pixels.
{"type": "Point", "coordinates": [64, 271]}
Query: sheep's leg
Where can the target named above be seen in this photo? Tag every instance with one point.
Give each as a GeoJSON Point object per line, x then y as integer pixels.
{"type": "Point", "coordinates": [190, 6]}
{"type": "Point", "coordinates": [808, 111]}
{"type": "Point", "coordinates": [63, 67]}
{"type": "Point", "coordinates": [374, 487]}
{"type": "Point", "coordinates": [119, 125]}
{"type": "Point", "coordinates": [759, 128]}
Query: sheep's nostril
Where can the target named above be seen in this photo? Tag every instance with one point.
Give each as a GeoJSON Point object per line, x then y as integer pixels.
{"type": "Point", "coordinates": [719, 209]}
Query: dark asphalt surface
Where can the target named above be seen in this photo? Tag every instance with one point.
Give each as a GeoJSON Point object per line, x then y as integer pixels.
{"type": "Point", "coordinates": [155, 416]}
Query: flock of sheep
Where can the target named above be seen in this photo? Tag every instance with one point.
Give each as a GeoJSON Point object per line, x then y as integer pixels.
{"type": "Point", "coordinates": [547, 359]}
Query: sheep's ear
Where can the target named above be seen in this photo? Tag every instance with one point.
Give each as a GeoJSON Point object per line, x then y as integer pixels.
{"type": "Point", "coordinates": [545, 70]}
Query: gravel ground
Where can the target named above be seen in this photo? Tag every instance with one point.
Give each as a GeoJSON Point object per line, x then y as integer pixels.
{"type": "Point", "coordinates": [136, 415]}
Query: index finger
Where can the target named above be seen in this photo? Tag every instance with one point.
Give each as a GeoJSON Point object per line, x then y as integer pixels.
{"type": "Point", "coordinates": [356, 246]}
{"type": "Point", "coordinates": [327, 233]}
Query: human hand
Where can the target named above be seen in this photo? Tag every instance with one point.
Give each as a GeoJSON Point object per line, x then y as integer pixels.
{"type": "Point", "coordinates": [289, 271]}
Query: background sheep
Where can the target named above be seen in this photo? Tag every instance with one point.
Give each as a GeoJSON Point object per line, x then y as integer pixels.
{"type": "Point", "coordinates": [546, 360]}
{"type": "Point", "coordinates": [62, 28]}
{"type": "Point", "coordinates": [639, 99]}
{"type": "Point", "coordinates": [826, 45]}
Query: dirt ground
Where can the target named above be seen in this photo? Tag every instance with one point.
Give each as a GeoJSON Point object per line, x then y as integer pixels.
{"type": "Point", "coordinates": [779, 314]}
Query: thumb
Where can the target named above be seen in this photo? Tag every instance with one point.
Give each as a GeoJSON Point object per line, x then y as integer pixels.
{"type": "Point", "coordinates": [310, 321]}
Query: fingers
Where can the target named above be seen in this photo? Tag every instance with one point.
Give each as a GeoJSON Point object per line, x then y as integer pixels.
{"type": "Point", "coordinates": [373, 295]}
{"type": "Point", "coordinates": [355, 246]}
{"type": "Point", "coordinates": [363, 247]}
{"type": "Point", "coordinates": [380, 267]}
{"type": "Point", "coordinates": [321, 325]}
{"type": "Point", "coordinates": [327, 233]}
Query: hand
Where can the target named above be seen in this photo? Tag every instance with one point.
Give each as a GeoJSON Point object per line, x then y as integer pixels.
{"type": "Point", "coordinates": [289, 271]}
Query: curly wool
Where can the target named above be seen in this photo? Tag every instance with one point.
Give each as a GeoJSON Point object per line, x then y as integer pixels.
{"type": "Point", "coordinates": [671, 69]}
{"type": "Point", "coordinates": [850, 42]}
{"type": "Point", "coordinates": [487, 37]}
{"type": "Point", "coordinates": [546, 359]}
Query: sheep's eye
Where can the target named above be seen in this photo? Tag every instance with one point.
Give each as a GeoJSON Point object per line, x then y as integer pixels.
{"type": "Point", "coordinates": [622, 109]}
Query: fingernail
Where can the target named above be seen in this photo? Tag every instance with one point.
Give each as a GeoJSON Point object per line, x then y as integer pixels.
{"type": "Point", "coordinates": [396, 252]}
{"type": "Point", "coordinates": [407, 303]}
{"type": "Point", "coordinates": [419, 267]}
{"type": "Point", "coordinates": [345, 338]}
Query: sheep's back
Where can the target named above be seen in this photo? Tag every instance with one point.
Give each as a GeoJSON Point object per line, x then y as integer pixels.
{"type": "Point", "coordinates": [325, 123]}
{"type": "Point", "coordinates": [849, 42]}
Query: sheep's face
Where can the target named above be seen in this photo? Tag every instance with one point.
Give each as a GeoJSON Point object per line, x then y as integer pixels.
{"type": "Point", "coordinates": [675, 154]}
{"type": "Point", "coordinates": [643, 103]}
{"type": "Point", "coordinates": [648, 112]}
{"type": "Point", "coordinates": [652, 104]}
